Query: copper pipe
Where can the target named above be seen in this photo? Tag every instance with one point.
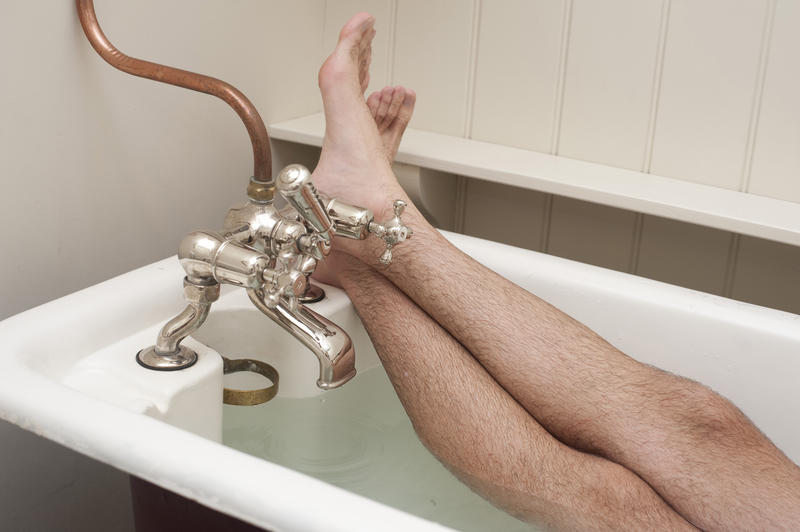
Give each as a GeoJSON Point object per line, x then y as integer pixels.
{"type": "Point", "coordinates": [262, 157]}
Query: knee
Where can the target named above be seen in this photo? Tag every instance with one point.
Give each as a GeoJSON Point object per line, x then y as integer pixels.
{"type": "Point", "coordinates": [712, 417]}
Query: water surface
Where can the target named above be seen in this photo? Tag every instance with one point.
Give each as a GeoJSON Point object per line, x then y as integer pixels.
{"type": "Point", "coordinates": [359, 438]}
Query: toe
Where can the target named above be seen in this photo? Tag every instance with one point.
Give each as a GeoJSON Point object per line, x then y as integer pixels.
{"type": "Point", "coordinates": [373, 102]}
{"type": "Point", "coordinates": [364, 69]}
{"type": "Point", "coordinates": [349, 62]}
{"type": "Point", "coordinates": [407, 108]}
{"type": "Point", "coordinates": [383, 108]}
{"type": "Point", "coordinates": [356, 28]}
{"type": "Point", "coordinates": [398, 96]}
{"type": "Point", "coordinates": [398, 126]}
{"type": "Point", "coordinates": [365, 82]}
{"type": "Point", "coordinates": [366, 40]}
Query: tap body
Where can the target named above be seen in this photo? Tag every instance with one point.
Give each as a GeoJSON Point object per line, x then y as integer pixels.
{"type": "Point", "coordinates": [331, 345]}
{"type": "Point", "coordinates": [271, 254]}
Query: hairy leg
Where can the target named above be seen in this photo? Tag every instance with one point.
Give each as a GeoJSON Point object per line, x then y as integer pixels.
{"type": "Point", "coordinates": [503, 450]}
{"type": "Point", "coordinates": [482, 434]}
{"type": "Point", "coordinates": [694, 447]}
{"type": "Point", "coordinates": [677, 435]}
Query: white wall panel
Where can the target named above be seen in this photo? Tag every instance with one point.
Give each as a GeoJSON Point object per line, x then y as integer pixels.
{"type": "Point", "coordinates": [591, 233]}
{"type": "Point", "coordinates": [505, 214]}
{"type": "Point", "coordinates": [432, 56]}
{"type": "Point", "coordinates": [517, 72]}
{"type": "Point", "coordinates": [707, 90]}
{"type": "Point", "coordinates": [768, 273]}
{"type": "Point", "coordinates": [145, 162]}
{"type": "Point", "coordinates": [684, 254]}
{"type": "Point", "coordinates": [776, 160]}
{"type": "Point", "coordinates": [337, 12]}
{"type": "Point", "coordinates": [608, 90]}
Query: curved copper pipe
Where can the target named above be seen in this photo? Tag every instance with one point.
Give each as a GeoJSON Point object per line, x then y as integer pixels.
{"type": "Point", "coordinates": [262, 157]}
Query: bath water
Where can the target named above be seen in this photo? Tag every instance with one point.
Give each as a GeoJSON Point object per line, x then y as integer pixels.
{"type": "Point", "coordinates": [359, 438]}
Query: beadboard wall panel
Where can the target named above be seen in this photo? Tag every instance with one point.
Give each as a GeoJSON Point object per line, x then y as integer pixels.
{"type": "Point", "coordinates": [524, 36]}
{"type": "Point", "coordinates": [433, 41]}
{"type": "Point", "coordinates": [678, 79]}
{"type": "Point", "coordinates": [592, 233]}
{"type": "Point", "coordinates": [776, 161]}
{"type": "Point", "coordinates": [609, 85]}
{"type": "Point", "coordinates": [768, 273]}
{"type": "Point", "coordinates": [683, 254]}
{"type": "Point", "coordinates": [707, 91]}
{"type": "Point", "coordinates": [337, 12]}
{"type": "Point", "coordinates": [522, 216]}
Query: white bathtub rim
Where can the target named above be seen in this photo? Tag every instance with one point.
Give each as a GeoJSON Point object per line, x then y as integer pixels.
{"type": "Point", "coordinates": [745, 315]}
{"type": "Point", "coordinates": [260, 492]}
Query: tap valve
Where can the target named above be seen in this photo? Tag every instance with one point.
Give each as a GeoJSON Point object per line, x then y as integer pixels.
{"type": "Point", "coordinates": [295, 185]}
{"type": "Point", "coordinates": [392, 231]}
{"type": "Point", "coordinates": [357, 223]}
{"type": "Point", "coordinates": [209, 257]}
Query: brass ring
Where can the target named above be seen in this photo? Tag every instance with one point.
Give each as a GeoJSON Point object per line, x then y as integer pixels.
{"type": "Point", "coordinates": [249, 397]}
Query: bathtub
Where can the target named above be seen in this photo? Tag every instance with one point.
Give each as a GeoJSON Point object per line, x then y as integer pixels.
{"type": "Point", "coordinates": [309, 459]}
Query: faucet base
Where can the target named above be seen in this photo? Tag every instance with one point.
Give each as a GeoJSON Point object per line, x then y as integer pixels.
{"type": "Point", "coordinates": [312, 294]}
{"type": "Point", "coordinates": [181, 359]}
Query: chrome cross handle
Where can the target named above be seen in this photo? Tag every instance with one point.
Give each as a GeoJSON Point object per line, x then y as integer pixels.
{"type": "Point", "coordinates": [392, 231]}
{"type": "Point", "coordinates": [357, 223]}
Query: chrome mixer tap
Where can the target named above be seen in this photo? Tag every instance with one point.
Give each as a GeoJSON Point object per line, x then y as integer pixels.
{"type": "Point", "coordinates": [271, 254]}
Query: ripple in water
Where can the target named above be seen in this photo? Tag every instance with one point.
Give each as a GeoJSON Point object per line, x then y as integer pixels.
{"type": "Point", "coordinates": [359, 438]}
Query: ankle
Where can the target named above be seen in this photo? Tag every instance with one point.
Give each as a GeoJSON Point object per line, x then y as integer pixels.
{"type": "Point", "coordinates": [369, 251]}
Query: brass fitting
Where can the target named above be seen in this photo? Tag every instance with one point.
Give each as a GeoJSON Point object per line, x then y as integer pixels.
{"type": "Point", "coordinates": [200, 294]}
{"type": "Point", "coordinates": [260, 191]}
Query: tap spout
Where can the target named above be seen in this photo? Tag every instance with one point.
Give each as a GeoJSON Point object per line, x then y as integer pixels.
{"type": "Point", "coordinates": [262, 172]}
{"type": "Point", "coordinates": [325, 339]}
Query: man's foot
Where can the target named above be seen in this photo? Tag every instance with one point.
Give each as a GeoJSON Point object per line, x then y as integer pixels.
{"type": "Point", "coordinates": [392, 107]}
{"type": "Point", "coordinates": [353, 164]}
